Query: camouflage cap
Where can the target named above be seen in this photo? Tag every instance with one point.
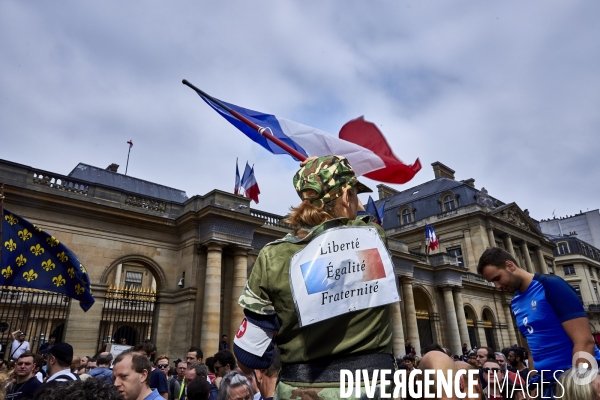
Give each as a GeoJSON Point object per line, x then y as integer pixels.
{"type": "Point", "coordinates": [327, 176]}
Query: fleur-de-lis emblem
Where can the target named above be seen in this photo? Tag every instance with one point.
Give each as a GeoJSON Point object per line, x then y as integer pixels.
{"type": "Point", "coordinates": [37, 250]}
{"type": "Point", "coordinates": [37, 228]}
{"type": "Point", "coordinates": [59, 280]}
{"type": "Point", "coordinates": [10, 245]}
{"type": "Point", "coordinates": [48, 265]}
{"type": "Point", "coordinates": [79, 289]}
{"type": "Point", "coordinates": [62, 256]}
{"type": "Point", "coordinates": [71, 272]}
{"type": "Point", "coordinates": [7, 272]}
{"type": "Point", "coordinates": [30, 275]}
{"type": "Point", "coordinates": [21, 261]}
{"type": "Point", "coordinates": [82, 269]}
{"type": "Point", "coordinates": [52, 241]}
{"type": "Point", "coordinates": [11, 219]}
{"type": "Point", "coordinates": [25, 234]}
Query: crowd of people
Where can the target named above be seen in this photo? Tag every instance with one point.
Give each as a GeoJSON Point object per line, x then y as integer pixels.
{"type": "Point", "coordinates": [57, 374]}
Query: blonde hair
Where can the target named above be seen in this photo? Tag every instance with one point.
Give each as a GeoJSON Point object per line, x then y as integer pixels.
{"type": "Point", "coordinates": [570, 389]}
{"type": "Point", "coordinates": [307, 214]}
{"type": "Point", "coordinates": [4, 379]}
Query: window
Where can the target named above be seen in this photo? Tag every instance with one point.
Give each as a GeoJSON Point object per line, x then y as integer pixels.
{"type": "Point", "coordinates": [569, 269]}
{"type": "Point", "coordinates": [449, 203]}
{"type": "Point", "coordinates": [590, 271]}
{"type": "Point", "coordinates": [596, 293]}
{"type": "Point", "coordinates": [584, 249]}
{"type": "Point", "coordinates": [551, 268]}
{"type": "Point", "coordinates": [563, 248]}
{"type": "Point", "coordinates": [406, 217]}
{"type": "Point", "coordinates": [133, 279]}
{"type": "Point", "coordinates": [578, 291]}
{"type": "Point", "coordinates": [457, 252]}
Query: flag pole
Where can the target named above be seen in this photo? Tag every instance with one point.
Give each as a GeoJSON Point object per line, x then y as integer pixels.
{"type": "Point", "coordinates": [262, 131]}
{"type": "Point", "coordinates": [128, 152]}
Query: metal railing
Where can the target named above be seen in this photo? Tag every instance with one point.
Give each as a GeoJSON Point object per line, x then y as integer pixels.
{"type": "Point", "coordinates": [128, 313]}
{"type": "Point", "coordinates": [37, 313]}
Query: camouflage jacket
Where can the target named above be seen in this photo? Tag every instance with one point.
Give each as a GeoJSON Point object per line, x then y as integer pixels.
{"type": "Point", "coordinates": [268, 292]}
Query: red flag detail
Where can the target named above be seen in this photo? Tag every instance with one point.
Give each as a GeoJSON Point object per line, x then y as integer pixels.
{"type": "Point", "coordinates": [367, 135]}
{"type": "Point", "coordinates": [130, 143]}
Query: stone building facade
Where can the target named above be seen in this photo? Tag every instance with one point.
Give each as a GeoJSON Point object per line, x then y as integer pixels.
{"type": "Point", "coordinates": [464, 308]}
{"type": "Point", "coordinates": [170, 267]}
{"type": "Point", "coordinates": [162, 266]}
{"type": "Point", "coordinates": [578, 263]}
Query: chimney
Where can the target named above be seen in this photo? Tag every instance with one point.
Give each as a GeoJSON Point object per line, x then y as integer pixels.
{"type": "Point", "coordinates": [112, 167]}
{"type": "Point", "coordinates": [441, 171]}
{"type": "Point", "coordinates": [470, 182]}
{"type": "Point", "coordinates": [386, 191]}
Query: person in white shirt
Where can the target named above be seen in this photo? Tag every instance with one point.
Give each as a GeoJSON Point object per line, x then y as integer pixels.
{"type": "Point", "coordinates": [19, 345]}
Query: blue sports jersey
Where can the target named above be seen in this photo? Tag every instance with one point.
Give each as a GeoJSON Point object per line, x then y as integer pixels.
{"type": "Point", "coordinates": [540, 310]}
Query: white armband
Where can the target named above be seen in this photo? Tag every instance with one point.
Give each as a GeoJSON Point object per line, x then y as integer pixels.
{"type": "Point", "coordinates": [253, 339]}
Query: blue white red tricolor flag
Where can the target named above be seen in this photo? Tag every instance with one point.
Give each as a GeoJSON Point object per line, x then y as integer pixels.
{"type": "Point", "coordinates": [374, 211]}
{"type": "Point", "coordinates": [236, 189]}
{"type": "Point", "coordinates": [251, 186]}
{"type": "Point", "coordinates": [431, 241]}
{"type": "Point", "coordinates": [359, 141]}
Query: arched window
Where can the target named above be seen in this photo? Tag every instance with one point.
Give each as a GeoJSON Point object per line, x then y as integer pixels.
{"type": "Point", "coordinates": [406, 216]}
{"type": "Point", "coordinates": [563, 248]}
{"type": "Point", "coordinates": [449, 203]}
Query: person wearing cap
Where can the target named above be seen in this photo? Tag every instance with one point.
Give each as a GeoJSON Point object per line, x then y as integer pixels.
{"type": "Point", "coordinates": [19, 345]}
{"type": "Point", "coordinates": [59, 363]}
{"type": "Point", "coordinates": [312, 355]}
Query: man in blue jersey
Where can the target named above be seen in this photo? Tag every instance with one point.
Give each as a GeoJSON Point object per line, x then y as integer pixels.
{"type": "Point", "coordinates": [548, 313]}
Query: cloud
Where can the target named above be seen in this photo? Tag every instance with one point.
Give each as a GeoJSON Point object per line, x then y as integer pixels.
{"type": "Point", "coordinates": [506, 92]}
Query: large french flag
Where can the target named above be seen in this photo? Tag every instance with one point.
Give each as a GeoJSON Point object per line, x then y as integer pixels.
{"type": "Point", "coordinates": [360, 142]}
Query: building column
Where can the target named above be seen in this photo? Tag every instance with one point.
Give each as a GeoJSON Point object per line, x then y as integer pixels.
{"type": "Point", "coordinates": [454, 334]}
{"type": "Point", "coordinates": [460, 317]}
{"type": "Point", "coordinates": [398, 331]}
{"type": "Point", "coordinates": [525, 251]}
{"type": "Point", "coordinates": [481, 332]}
{"type": "Point", "coordinates": [542, 261]}
{"type": "Point", "coordinates": [512, 336]}
{"type": "Point", "coordinates": [411, 314]}
{"type": "Point", "coordinates": [509, 245]}
{"type": "Point", "coordinates": [469, 257]}
{"type": "Point", "coordinates": [491, 238]}
{"type": "Point", "coordinates": [240, 275]}
{"type": "Point", "coordinates": [118, 275]}
{"type": "Point", "coordinates": [211, 312]}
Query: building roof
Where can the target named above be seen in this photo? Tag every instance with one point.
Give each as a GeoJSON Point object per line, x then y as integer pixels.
{"type": "Point", "coordinates": [576, 246]}
{"type": "Point", "coordinates": [101, 176]}
{"type": "Point", "coordinates": [426, 189]}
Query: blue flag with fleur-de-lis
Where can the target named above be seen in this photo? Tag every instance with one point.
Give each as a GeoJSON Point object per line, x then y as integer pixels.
{"type": "Point", "coordinates": [35, 259]}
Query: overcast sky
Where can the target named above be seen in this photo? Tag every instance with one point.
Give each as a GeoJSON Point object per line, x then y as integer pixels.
{"type": "Point", "coordinates": [505, 92]}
